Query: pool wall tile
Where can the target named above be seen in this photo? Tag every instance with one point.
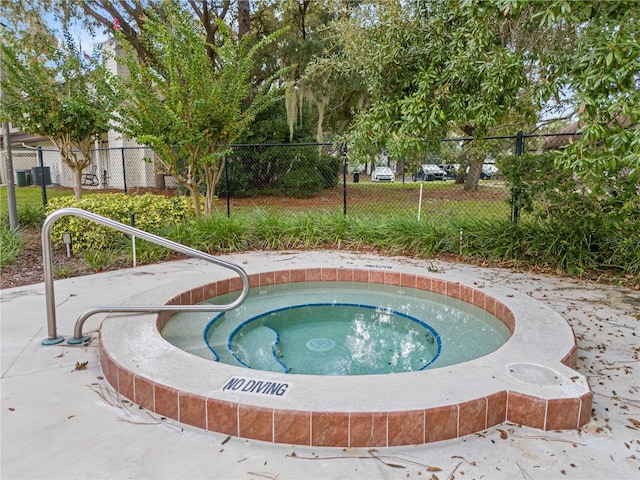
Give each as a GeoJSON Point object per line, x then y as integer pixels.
{"type": "Point", "coordinates": [184, 298]}
{"type": "Point", "coordinates": [424, 283]}
{"type": "Point", "coordinates": [406, 428]}
{"type": "Point", "coordinates": [223, 286]}
{"type": "Point", "coordinates": [267, 278]}
{"type": "Point", "coordinates": [298, 275]}
{"type": "Point", "coordinates": [441, 423]}
{"type": "Point", "coordinates": [409, 280]}
{"type": "Point", "coordinates": [282, 276]}
{"type": "Point", "coordinates": [496, 408]}
{"type": "Point", "coordinates": [143, 393]}
{"type": "Point", "coordinates": [125, 383]}
{"type": "Point", "coordinates": [501, 311]}
{"type": "Point", "coordinates": [472, 416]}
{"type": "Point", "coordinates": [254, 280]}
{"type": "Point", "coordinates": [439, 286]}
{"type": "Point", "coordinates": [292, 427]}
{"type": "Point", "coordinates": [173, 300]}
{"type": "Point", "coordinates": [163, 318]}
{"type": "Point", "coordinates": [361, 275]}
{"type": "Point", "coordinates": [166, 401]}
{"type": "Point", "coordinates": [479, 299]}
{"type": "Point", "coordinates": [466, 294]}
{"type": "Point", "coordinates": [490, 304]}
{"type": "Point", "coordinates": [313, 274]}
{"type": "Point", "coordinates": [109, 369]}
{"type": "Point", "coordinates": [368, 429]}
{"type": "Point", "coordinates": [329, 274]}
{"type": "Point", "coordinates": [376, 276]}
{"type": "Point", "coordinates": [509, 319]}
{"type": "Point", "coordinates": [210, 290]}
{"type": "Point", "coordinates": [393, 278]}
{"type": "Point", "coordinates": [222, 417]}
{"type": "Point", "coordinates": [345, 274]}
{"type": "Point", "coordinates": [103, 359]}
{"type": "Point", "coordinates": [329, 429]}
{"type": "Point", "coordinates": [453, 289]}
{"type": "Point", "coordinates": [193, 410]}
{"type": "Point", "coordinates": [197, 294]}
{"type": "Point", "coordinates": [585, 409]}
{"type": "Point", "coordinates": [562, 414]}
{"type": "Point", "coordinates": [255, 422]}
{"type": "Point", "coordinates": [526, 410]}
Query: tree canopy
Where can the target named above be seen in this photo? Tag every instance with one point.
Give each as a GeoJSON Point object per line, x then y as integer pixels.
{"type": "Point", "coordinates": [433, 67]}
{"type": "Point", "coordinates": [187, 108]}
{"type": "Point", "coordinates": [399, 75]}
{"type": "Point", "coordinates": [54, 90]}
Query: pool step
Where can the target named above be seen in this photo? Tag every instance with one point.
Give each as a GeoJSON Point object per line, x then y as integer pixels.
{"type": "Point", "coordinates": [259, 349]}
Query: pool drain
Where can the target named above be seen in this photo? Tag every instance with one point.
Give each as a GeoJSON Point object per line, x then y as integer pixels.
{"type": "Point", "coordinates": [320, 344]}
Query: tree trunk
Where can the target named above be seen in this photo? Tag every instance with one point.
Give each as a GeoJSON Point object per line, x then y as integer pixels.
{"type": "Point", "coordinates": [195, 196]}
{"type": "Point", "coordinates": [159, 181]}
{"type": "Point", "coordinates": [77, 182]}
{"type": "Point", "coordinates": [473, 176]}
{"type": "Point", "coordinates": [244, 18]}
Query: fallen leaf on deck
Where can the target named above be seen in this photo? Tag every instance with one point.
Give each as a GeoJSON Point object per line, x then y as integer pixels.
{"type": "Point", "coordinates": [81, 366]}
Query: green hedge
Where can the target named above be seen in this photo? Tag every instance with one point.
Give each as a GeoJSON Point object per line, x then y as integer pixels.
{"type": "Point", "coordinates": [152, 213]}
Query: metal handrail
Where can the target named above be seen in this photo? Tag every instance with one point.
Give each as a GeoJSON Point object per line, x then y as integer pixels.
{"type": "Point", "coordinates": [47, 263]}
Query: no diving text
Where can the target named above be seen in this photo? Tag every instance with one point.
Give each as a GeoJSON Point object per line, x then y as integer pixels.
{"type": "Point", "coordinates": [247, 385]}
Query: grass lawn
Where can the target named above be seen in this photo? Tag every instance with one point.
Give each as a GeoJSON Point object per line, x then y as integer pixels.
{"type": "Point", "coordinates": [30, 196]}
{"type": "Point", "coordinates": [443, 200]}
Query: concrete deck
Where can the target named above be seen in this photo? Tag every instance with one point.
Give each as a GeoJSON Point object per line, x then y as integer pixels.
{"type": "Point", "coordinates": [63, 422]}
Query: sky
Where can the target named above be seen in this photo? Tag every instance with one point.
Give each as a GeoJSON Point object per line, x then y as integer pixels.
{"type": "Point", "coordinates": [79, 32]}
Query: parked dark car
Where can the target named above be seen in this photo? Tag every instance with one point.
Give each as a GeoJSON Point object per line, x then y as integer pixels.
{"type": "Point", "coordinates": [451, 171]}
{"type": "Point", "coordinates": [428, 173]}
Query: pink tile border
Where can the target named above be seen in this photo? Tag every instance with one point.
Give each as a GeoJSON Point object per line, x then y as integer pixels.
{"type": "Point", "coordinates": [350, 429]}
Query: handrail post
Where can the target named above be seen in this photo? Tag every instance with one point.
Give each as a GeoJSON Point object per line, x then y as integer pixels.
{"type": "Point", "coordinates": [163, 242]}
{"type": "Point", "coordinates": [47, 264]}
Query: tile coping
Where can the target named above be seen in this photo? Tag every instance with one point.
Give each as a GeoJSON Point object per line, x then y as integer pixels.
{"type": "Point", "coordinates": [530, 380]}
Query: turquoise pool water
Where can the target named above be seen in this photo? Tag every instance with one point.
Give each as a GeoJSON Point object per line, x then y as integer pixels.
{"type": "Point", "coordinates": [339, 328]}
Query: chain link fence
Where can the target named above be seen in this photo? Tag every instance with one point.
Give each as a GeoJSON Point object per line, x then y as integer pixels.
{"type": "Point", "coordinates": [463, 177]}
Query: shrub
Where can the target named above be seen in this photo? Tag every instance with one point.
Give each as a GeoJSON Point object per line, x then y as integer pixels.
{"type": "Point", "coordinates": [10, 245]}
{"type": "Point", "coordinates": [584, 224]}
{"type": "Point", "coordinates": [151, 213]}
{"type": "Point", "coordinates": [295, 171]}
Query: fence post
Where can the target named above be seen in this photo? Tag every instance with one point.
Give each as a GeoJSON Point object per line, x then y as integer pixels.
{"type": "Point", "coordinates": [226, 185]}
{"type": "Point", "coordinates": [344, 179]}
{"type": "Point", "coordinates": [42, 182]}
{"type": "Point", "coordinates": [515, 192]}
{"type": "Point", "coordinates": [124, 170]}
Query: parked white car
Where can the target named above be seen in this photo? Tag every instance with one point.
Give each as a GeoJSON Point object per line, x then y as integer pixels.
{"type": "Point", "coordinates": [383, 174]}
{"type": "Point", "coordinates": [488, 171]}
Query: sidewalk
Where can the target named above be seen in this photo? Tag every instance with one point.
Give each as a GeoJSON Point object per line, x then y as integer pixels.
{"type": "Point", "coordinates": [59, 421]}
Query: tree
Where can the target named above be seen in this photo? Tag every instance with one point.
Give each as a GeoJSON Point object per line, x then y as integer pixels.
{"type": "Point", "coordinates": [55, 91]}
{"type": "Point", "coordinates": [328, 97]}
{"type": "Point", "coordinates": [429, 68]}
{"type": "Point", "coordinates": [600, 65]}
{"type": "Point", "coordinates": [436, 67]}
{"type": "Point", "coordinates": [188, 109]}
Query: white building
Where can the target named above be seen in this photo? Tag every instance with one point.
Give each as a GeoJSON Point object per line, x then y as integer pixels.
{"type": "Point", "coordinates": [118, 162]}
